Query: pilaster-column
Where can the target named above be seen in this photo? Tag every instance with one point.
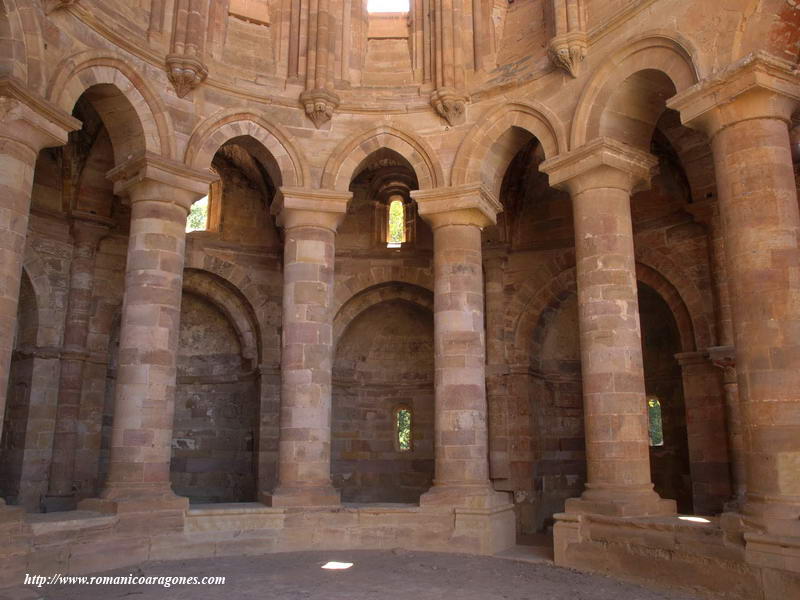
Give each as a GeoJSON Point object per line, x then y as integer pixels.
{"type": "Point", "coordinates": [746, 112]}
{"type": "Point", "coordinates": [601, 176]}
{"type": "Point", "coordinates": [27, 124]}
{"type": "Point", "coordinates": [723, 355]}
{"type": "Point", "coordinates": [457, 216]}
{"type": "Point", "coordinates": [494, 261]}
{"type": "Point", "coordinates": [87, 231]}
{"type": "Point", "coordinates": [706, 432]}
{"type": "Point", "coordinates": [310, 219]}
{"type": "Point", "coordinates": [161, 193]}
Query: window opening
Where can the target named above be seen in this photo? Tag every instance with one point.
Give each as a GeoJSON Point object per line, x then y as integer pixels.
{"type": "Point", "coordinates": [402, 421]}
{"type": "Point", "coordinates": [655, 423]}
{"type": "Point", "coordinates": [198, 216]}
{"type": "Point", "coordinates": [397, 224]}
{"type": "Point", "coordinates": [384, 6]}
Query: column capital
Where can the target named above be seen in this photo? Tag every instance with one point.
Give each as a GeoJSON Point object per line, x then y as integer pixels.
{"type": "Point", "coordinates": [470, 204]}
{"type": "Point", "coordinates": [759, 86]}
{"type": "Point", "coordinates": [30, 119]}
{"type": "Point", "coordinates": [149, 176]}
{"type": "Point", "coordinates": [687, 359]}
{"type": "Point", "coordinates": [602, 163]}
{"type": "Point", "coordinates": [300, 207]}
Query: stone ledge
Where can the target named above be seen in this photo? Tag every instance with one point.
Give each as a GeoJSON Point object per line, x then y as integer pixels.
{"type": "Point", "coordinates": [70, 521]}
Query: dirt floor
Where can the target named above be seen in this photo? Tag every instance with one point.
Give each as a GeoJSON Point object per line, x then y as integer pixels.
{"type": "Point", "coordinates": [386, 575]}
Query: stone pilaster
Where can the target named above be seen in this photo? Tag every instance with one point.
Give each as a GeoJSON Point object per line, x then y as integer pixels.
{"type": "Point", "coordinates": [601, 176]}
{"type": "Point", "coordinates": [161, 193]}
{"type": "Point", "coordinates": [746, 111]}
{"type": "Point", "coordinates": [27, 124]}
{"type": "Point", "coordinates": [87, 231]}
{"type": "Point", "coordinates": [723, 355]}
{"type": "Point", "coordinates": [457, 216]}
{"type": "Point", "coordinates": [706, 432]}
{"type": "Point", "coordinates": [494, 263]}
{"type": "Point", "coordinates": [310, 219]}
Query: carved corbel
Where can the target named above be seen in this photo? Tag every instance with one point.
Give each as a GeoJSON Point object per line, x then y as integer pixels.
{"type": "Point", "coordinates": [569, 45]}
{"type": "Point", "coordinates": [567, 51]}
{"type": "Point", "coordinates": [318, 99]}
{"type": "Point", "coordinates": [319, 105]}
{"type": "Point", "coordinates": [185, 73]}
{"type": "Point", "coordinates": [53, 5]}
{"type": "Point", "coordinates": [184, 64]}
{"type": "Point", "coordinates": [450, 105]}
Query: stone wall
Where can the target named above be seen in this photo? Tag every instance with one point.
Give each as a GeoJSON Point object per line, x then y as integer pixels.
{"type": "Point", "coordinates": [384, 361]}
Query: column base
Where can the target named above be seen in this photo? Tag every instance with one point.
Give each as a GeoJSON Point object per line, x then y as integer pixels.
{"type": "Point", "coordinates": [465, 496]}
{"type": "Point", "coordinates": [621, 503]}
{"type": "Point", "coordinates": [135, 498]}
{"type": "Point", "coordinates": [59, 503]}
{"type": "Point", "coordinates": [771, 517]}
{"type": "Point", "coordinates": [165, 510]}
{"type": "Point", "coordinates": [295, 497]}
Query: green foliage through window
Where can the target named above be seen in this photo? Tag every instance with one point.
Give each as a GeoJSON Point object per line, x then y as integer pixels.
{"type": "Point", "coordinates": [198, 216]}
{"type": "Point", "coordinates": [656, 426]}
{"type": "Point", "coordinates": [397, 226]}
{"type": "Point", "coordinates": [403, 424]}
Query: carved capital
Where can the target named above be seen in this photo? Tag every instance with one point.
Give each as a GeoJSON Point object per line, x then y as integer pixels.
{"type": "Point", "coordinates": [319, 105]}
{"type": "Point", "coordinates": [470, 204]}
{"type": "Point", "coordinates": [568, 50]}
{"type": "Point", "coordinates": [450, 105]}
{"type": "Point", "coordinates": [53, 5]}
{"type": "Point", "coordinates": [185, 73]}
{"type": "Point", "coordinates": [30, 119]}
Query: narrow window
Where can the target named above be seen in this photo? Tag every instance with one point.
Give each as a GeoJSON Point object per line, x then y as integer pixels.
{"type": "Point", "coordinates": [397, 224]}
{"type": "Point", "coordinates": [379, 6]}
{"type": "Point", "coordinates": [655, 423]}
{"type": "Point", "coordinates": [402, 423]}
{"type": "Point", "coordinates": [198, 216]}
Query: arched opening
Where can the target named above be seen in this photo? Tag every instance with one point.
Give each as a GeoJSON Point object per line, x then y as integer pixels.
{"type": "Point", "coordinates": [383, 405]}
{"type": "Point", "coordinates": [215, 430]}
{"type": "Point", "coordinates": [382, 205]}
{"type": "Point", "coordinates": [669, 447]}
{"type": "Point", "coordinates": [536, 409]}
{"type": "Point", "coordinates": [19, 454]}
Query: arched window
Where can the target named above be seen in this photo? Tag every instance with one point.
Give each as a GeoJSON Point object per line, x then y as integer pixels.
{"type": "Point", "coordinates": [206, 213]}
{"type": "Point", "coordinates": [198, 216]}
{"type": "Point", "coordinates": [402, 429]}
{"type": "Point", "coordinates": [655, 423]}
{"type": "Point", "coordinates": [397, 224]}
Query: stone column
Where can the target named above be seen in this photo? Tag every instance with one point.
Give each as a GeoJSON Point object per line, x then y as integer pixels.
{"type": "Point", "coordinates": [600, 176]}
{"type": "Point", "coordinates": [310, 219]}
{"type": "Point", "coordinates": [87, 231]}
{"type": "Point", "coordinates": [161, 193]}
{"type": "Point", "coordinates": [27, 124]}
{"type": "Point", "coordinates": [457, 216]}
{"type": "Point", "coordinates": [746, 112]}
